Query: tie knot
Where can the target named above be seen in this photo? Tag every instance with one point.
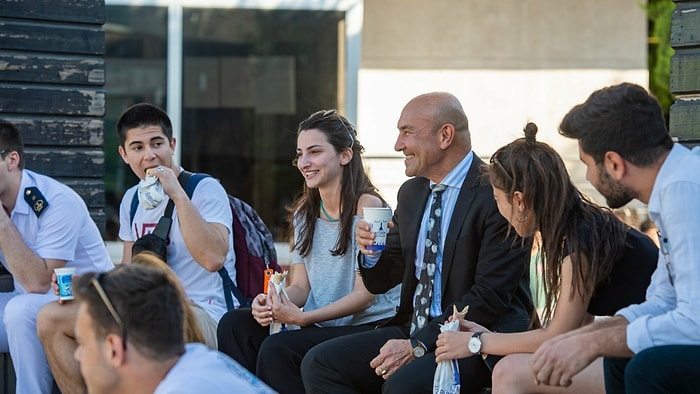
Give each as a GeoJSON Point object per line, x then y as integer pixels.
{"type": "Point", "coordinates": [439, 188]}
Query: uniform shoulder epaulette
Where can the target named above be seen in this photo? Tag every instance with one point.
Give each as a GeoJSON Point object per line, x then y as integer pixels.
{"type": "Point", "coordinates": [36, 200]}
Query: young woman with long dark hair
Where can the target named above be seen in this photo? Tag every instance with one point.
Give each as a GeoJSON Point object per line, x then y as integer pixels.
{"type": "Point", "coordinates": [323, 275]}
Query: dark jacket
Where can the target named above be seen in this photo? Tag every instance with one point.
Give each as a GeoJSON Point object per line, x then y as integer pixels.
{"type": "Point", "coordinates": [481, 267]}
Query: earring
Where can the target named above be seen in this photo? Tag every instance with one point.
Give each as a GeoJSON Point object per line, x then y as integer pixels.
{"type": "Point", "coordinates": [522, 219]}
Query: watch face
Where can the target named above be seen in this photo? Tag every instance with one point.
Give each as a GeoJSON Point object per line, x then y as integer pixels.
{"type": "Point", "coordinates": [474, 345]}
{"type": "Point", "coordinates": [418, 352]}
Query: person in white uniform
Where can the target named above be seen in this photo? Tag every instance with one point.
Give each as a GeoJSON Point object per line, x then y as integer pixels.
{"type": "Point", "coordinates": [44, 225]}
{"type": "Point", "coordinates": [121, 352]}
{"type": "Point", "coordinates": [200, 240]}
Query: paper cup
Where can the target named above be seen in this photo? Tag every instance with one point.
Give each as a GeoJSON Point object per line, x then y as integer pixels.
{"type": "Point", "coordinates": [64, 277]}
{"type": "Point", "coordinates": [378, 218]}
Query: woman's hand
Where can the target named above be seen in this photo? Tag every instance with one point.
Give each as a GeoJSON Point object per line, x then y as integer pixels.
{"type": "Point", "coordinates": [261, 309]}
{"type": "Point", "coordinates": [452, 345]}
{"type": "Point", "coordinates": [285, 311]}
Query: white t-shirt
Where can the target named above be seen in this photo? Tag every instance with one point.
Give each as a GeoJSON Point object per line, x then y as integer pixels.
{"type": "Point", "coordinates": [202, 370]}
{"type": "Point", "coordinates": [202, 287]}
{"type": "Point", "coordinates": [63, 230]}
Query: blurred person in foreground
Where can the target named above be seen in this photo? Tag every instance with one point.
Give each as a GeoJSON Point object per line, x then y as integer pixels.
{"type": "Point", "coordinates": [130, 330]}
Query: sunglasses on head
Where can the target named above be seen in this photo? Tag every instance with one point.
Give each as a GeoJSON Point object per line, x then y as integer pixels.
{"type": "Point", "coordinates": [325, 114]}
{"type": "Point", "coordinates": [107, 303]}
{"type": "Point", "coordinates": [494, 161]}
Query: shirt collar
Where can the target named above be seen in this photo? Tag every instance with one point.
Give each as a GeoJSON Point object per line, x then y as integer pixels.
{"type": "Point", "coordinates": [21, 206]}
{"type": "Point", "coordinates": [457, 175]}
{"type": "Point", "coordinates": [665, 175]}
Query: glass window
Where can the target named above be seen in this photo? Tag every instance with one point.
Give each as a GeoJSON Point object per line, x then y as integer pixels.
{"type": "Point", "coordinates": [135, 62]}
{"type": "Point", "coordinates": [249, 78]}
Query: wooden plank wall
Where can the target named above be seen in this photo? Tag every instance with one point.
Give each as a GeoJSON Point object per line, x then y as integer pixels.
{"type": "Point", "coordinates": [52, 75]}
{"type": "Point", "coordinates": [685, 72]}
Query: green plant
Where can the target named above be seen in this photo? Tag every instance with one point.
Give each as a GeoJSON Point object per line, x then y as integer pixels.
{"type": "Point", "coordinates": [659, 46]}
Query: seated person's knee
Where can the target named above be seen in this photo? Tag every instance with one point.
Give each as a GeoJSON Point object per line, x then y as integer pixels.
{"type": "Point", "coordinates": [272, 345]}
{"type": "Point", "coordinates": [15, 311]}
{"type": "Point", "coordinates": [46, 320]}
{"type": "Point", "coordinates": [507, 373]}
{"type": "Point", "coordinates": [311, 364]}
{"type": "Point", "coordinates": [644, 366]}
{"type": "Point", "coordinates": [53, 319]}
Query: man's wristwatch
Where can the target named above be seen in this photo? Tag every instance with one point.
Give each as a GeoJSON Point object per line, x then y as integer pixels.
{"type": "Point", "coordinates": [418, 348]}
{"type": "Point", "coordinates": [475, 343]}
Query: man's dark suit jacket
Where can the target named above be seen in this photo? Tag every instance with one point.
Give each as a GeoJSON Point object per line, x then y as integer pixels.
{"type": "Point", "coordinates": [481, 267]}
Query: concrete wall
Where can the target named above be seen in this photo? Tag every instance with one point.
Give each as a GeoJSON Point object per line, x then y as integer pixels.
{"type": "Point", "coordinates": [508, 61]}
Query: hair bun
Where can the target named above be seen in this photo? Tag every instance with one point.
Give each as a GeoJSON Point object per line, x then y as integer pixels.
{"type": "Point", "coordinates": [530, 132]}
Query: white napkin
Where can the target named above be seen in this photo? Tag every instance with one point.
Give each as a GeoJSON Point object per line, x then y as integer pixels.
{"type": "Point", "coordinates": [150, 192]}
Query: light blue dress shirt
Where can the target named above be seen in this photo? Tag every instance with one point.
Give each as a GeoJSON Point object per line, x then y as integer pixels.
{"type": "Point", "coordinates": [671, 313]}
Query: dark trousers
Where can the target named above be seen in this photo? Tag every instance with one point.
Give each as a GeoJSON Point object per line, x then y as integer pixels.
{"type": "Point", "coordinates": [662, 369]}
{"type": "Point", "coordinates": [275, 359]}
{"type": "Point", "coordinates": [240, 336]}
{"type": "Point", "coordinates": [341, 365]}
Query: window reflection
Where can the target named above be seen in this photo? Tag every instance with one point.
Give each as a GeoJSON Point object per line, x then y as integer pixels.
{"type": "Point", "coordinates": [249, 78]}
{"type": "Point", "coordinates": [135, 62]}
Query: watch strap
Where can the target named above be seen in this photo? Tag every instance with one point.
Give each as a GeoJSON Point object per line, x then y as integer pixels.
{"type": "Point", "coordinates": [415, 343]}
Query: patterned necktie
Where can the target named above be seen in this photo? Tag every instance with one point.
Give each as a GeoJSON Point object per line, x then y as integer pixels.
{"type": "Point", "coordinates": [424, 291]}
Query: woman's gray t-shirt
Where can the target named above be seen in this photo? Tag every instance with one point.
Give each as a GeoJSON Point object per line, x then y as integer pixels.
{"type": "Point", "coordinates": [333, 277]}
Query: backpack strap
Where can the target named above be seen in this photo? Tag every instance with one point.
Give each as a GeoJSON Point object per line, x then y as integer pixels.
{"type": "Point", "coordinates": [229, 288]}
{"type": "Point", "coordinates": [165, 222]}
{"type": "Point", "coordinates": [189, 181]}
{"type": "Point", "coordinates": [134, 207]}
